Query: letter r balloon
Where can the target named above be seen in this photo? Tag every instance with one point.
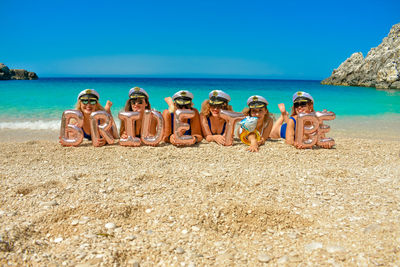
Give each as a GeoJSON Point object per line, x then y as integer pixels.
{"type": "Point", "coordinates": [101, 132]}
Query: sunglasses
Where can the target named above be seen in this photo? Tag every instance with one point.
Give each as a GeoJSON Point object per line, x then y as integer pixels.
{"type": "Point", "coordinates": [91, 101]}
{"type": "Point", "coordinates": [256, 109]}
{"type": "Point", "coordinates": [136, 100]}
{"type": "Point", "coordinates": [300, 104]}
{"type": "Point", "coordinates": [220, 106]}
{"type": "Point", "coordinates": [183, 106]}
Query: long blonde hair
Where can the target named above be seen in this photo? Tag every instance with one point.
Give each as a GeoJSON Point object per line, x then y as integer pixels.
{"type": "Point", "coordinates": [128, 107]}
{"type": "Point", "coordinates": [205, 108]}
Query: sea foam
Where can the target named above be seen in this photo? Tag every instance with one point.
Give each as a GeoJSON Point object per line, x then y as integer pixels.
{"type": "Point", "coordinates": [32, 125]}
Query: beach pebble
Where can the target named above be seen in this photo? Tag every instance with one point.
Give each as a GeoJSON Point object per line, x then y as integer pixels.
{"type": "Point", "coordinates": [49, 204]}
{"type": "Point", "coordinates": [130, 237]}
{"type": "Point", "coordinates": [133, 263]}
{"type": "Point", "coordinates": [312, 246]}
{"type": "Point", "coordinates": [334, 249]}
{"type": "Point", "coordinates": [148, 210]}
{"type": "Point", "coordinates": [84, 220]}
{"type": "Point", "coordinates": [110, 225]}
{"type": "Point", "coordinates": [184, 231]}
{"type": "Point", "coordinates": [283, 260]}
{"type": "Point", "coordinates": [263, 258]}
{"type": "Point", "coordinates": [179, 250]}
{"type": "Point", "coordinates": [207, 174]}
{"type": "Point", "coordinates": [371, 228]}
{"type": "Point", "coordinates": [292, 235]}
{"type": "Point", "coordinates": [58, 240]}
{"type": "Point", "coordinates": [195, 228]}
{"type": "Point", "coordinates": [74, 222]}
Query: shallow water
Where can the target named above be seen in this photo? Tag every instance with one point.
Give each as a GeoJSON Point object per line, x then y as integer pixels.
{"type": "Point", "coordinates": [38, 105]}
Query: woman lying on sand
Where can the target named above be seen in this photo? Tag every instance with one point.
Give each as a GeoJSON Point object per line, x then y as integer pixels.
{"type": "Point", "coordinates": [88, 102]}
{"type": "Point", "coordinates": [181, 100]}
{"type": "Point", "coordinates": [285, 127]}
{"type": "Point", "coordinates": [257, 107]}
{"type": "Point", "coordinates": [212, 124]}
{"type": "Point", "coordinates": [138, 101]}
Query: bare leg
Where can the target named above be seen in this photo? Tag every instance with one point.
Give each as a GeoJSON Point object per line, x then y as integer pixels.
{"type": "Point", "coordinates": [276, 128]}
{"type": "Point", "coordinates": [283, 111]}
{"type": "Point", "coordinates": [171, 107]}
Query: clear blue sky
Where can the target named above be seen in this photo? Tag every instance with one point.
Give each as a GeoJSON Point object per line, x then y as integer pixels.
{"type": "Point", "coordinates": [243, 39]}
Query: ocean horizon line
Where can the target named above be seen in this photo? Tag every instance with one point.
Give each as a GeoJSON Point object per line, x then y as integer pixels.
{"type": "Point", "coordinates": [176, 77]}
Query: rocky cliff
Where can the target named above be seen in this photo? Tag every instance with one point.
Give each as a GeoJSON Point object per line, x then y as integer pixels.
{"type": "Point", "coordinates": [380, 68]}
{"type": "Point", "coordinates": [16, 74]}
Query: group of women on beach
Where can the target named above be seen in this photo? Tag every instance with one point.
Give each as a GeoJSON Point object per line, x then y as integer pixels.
{"type": "Point", "coordinates": [207, 124]}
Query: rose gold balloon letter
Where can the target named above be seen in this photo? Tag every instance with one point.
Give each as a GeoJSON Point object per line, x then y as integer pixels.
{"type": "Point", "coordinates": [145, 133]}
{"type": "Point", "coordinates": [181, 127]}
{"type": "Point", "coordinates": [307, 130]}
{"type": "Point", "coordinates": [71, 134]}
{"type": "Point", "coordinates": [231, 118]}
{"type": "Point", "coordinates": [129, 117]}
{"type": "Point", "coordinates": [101, 123]}
{"type": "Point", "coordinates": [323, 128]}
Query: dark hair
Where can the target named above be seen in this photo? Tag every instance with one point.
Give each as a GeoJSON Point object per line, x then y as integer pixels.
{"type": "Point", "coordinates": [128, 107]}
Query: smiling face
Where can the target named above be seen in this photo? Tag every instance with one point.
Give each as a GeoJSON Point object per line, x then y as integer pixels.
{"type": "Point", "coordinates": [216, 109]}
{"type": "Point", "coordinates": [303, 107]}
{"type": "Point", "coordinates": [88, 105]}
{"type": "Point", "coordinates": [138, 104]}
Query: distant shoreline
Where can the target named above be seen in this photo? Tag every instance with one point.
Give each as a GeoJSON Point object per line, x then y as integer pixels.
{"type": "Point", "coordinates": [176, 78]}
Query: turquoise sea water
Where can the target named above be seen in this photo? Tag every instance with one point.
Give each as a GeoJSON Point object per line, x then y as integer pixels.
{"type": "Point", "coordinates": [39, 104]}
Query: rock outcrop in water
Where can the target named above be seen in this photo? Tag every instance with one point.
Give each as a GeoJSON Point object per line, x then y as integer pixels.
{"type": "Point", "coordinates": [16, 74]}
{"type": "Point", "coordinates": [380, 68]}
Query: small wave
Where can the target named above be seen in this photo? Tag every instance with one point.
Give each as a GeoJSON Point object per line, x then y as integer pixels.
{"type": "Point", "coordinates": [31, 125]}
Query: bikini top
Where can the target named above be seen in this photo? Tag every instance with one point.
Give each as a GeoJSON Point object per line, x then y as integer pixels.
{"type": "Point", "coordinates": [87, 136]}
{"type": "Point", "coordinates": [209, 125]}
{"type": "Point", "coordinates": [188, 132]}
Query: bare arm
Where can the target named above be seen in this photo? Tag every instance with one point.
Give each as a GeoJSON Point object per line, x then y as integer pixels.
{"type": "Point", "coordinates": [266, 132]}
{"type": "Point", "coordinates": [253, 142]}
{"type": "Point", "coordinates": [290, 132]}
{"type": "Point", "coordinates": [167, 127]}
{"type": "Point", "coordinates": [206, 129]}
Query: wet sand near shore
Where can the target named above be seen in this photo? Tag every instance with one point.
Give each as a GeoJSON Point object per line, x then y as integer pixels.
{"type": "Point", "coordinates": [202, 205]}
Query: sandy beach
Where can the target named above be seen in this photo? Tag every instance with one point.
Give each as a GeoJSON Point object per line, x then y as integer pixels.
{"type": "Point", "coordinates": [197, 206]}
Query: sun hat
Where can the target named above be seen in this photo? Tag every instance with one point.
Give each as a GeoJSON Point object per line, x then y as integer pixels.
{"type": "Point", "coordinates": [183, 97]}
{"type": "Point", "coordinates": [301, 96]}
{"type": "Point", "coordinates": [137, 92]}
{"type": "Point", "coordinates": [256, 101]}
{"type": "Point", "coordinates": [89, 92]}
{"type": "Point", "coordinates": [218, 97]}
